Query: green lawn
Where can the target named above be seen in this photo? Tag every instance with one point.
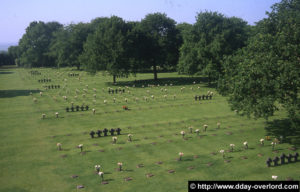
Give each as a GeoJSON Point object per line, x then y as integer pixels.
{"type": "Point", "coordinates": [30, 161]}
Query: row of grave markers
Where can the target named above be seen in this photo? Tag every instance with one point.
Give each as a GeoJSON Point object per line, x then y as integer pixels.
{"type": "Point", "coordinates": [282, 159]}
{"type": "Point", "coordinates": [73, 109]}
{"type": "Point", "coordinates": [112, 91]}
{"type": "Point", "coordinates": [105, 131]}
{"type": "Point", "coordinates": [51, 86]}
{"type": "Point", "coordinates": [44, 80]}
{"type": "Point", "coordinates": [73, 74]}
{"type": "Point", "coordinates": [203, 97]}
{"type": "Point", "coordinates": [35, 72]}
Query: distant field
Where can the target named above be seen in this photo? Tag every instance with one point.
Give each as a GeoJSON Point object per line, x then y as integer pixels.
{"type": "Point", "coordinates": [30, 161]}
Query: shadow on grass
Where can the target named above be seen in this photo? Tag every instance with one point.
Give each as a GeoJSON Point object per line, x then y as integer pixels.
{"type": "Point", "coordinates": [15, 189]}
{"type": "Point", "coordinates": [162, 81]}
{"type": "Point", "coordinates": [108, 179]}
{"type": "Point", "coordinates": [188, 159]}
{"type": "Point", "coordinates": [290, 132]}
{"type": "Point", "coordinates": [16, 93]}
{"type": "Point", "coordinates": [6, 72]}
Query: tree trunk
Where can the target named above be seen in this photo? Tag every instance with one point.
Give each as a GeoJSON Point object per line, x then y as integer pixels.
{"type": "Point", "coordinates": [155, 72]}
{"type": "Point", "coordinates": [114, 78]}
{"type": "Point", "coordinates": [78, 67]}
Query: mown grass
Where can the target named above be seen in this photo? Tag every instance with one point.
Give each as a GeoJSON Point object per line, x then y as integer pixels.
{"type": "Point", "coordinates": [30, 160]}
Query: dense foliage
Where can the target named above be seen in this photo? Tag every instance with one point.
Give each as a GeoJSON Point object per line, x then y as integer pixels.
{"type": "Point", "coordinates": [265, 75]}
{"type": "Point", "coordinates": [106, 48]}
{"type": "Point", "coordinates": [35, 44]}
{"type": "Point", "coordinates": [6, 59]}
{"type": "Point", "coordinates": [205, 44]}
{"type": "Point", "coordinates": [160, 47]}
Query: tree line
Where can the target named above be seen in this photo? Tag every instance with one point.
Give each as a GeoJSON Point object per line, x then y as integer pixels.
{"type": "Point", "coordinates": [257, 67]}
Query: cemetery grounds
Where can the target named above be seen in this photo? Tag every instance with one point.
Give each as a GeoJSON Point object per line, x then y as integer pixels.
{"type": "Point", "coordinates": [31, 161]}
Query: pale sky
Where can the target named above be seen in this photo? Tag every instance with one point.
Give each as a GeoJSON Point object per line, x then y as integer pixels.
{"type": "Point", "coordinates": [15, 15]}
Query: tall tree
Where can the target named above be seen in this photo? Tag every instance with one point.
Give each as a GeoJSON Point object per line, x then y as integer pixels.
{"type": "Point", "coordinates": [35, 44]}
{"type": "Point", "coordinates": [267, 71]}
{"type": "Point", "coordinates": [68, 42]}
{"type": "Point", "coordinates": [6, 58]}
{"type": "Point", "coordinates": [161, 44]}
{"type": "Point", "coordinates": [212, 37]}
{"type": "Point", "coordinates": [105, 49]}
{"type": "Point", "coordinates": [14, 52]}
{"type": "Point", "coordinates": [60, 47]}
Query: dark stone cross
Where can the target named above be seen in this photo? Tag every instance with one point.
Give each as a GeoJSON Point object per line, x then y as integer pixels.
{"type": "Point", "coordinates": [282, 158]}
{"type": "Point", "coordinates": [77, 108]}
{"type": "Point", "coordinates": [275, 160]}
{"type": "Point", "coordinates": [72, 109]}
{"type": "Point", "coordinates": [99, 132]}
{"type": "Point", "coordinates": [268, 162]}
{"type": "Point", "coordinates": [105, 131]}
{"type": "Point", "coordinates": [289, 158]}
{"type": "Point", "coordinates": [203, 97]}
{"type": "Point", "coordinates": [82, 107]}
{"type": "Point", "coordinates": [296, 156]}
{"type": "Point", "coordinates": [67, 109]}
{"type": "Point", "coordinates": [112, 131]}
{"type": "Point", "coordinates": [118, 130]}
{"type": "Point", "coordinates": [196, 97]}
{"type": "Point", "coordinates": [87, 107]}
{"type": "Point", "coordinates": [92, 133]}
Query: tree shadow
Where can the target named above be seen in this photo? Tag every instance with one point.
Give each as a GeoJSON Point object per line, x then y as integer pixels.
{"type": "Point", "coordinates": [108, 179]}
{"type": "Point", "coordinates": [162, 81]}
{"type": "Point", "coordinates": [15, 189]}
{"type": "Point", "coordinates": [16, 93]}
{"type": "Point", "coordinates": [6, 72]}
{"type": "Point", "coordinates": [283, 127]}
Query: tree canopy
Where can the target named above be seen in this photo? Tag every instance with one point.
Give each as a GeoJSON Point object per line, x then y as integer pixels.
{"type": "Point", "coordinates": [162, 41]}
{"type": "Point", "coordinates": [67, 44]}
{"type": "Point", "coordinates": [105, 49]}
{"type": "Point", "coordinates": [35, 44]}
{"type": "Point", "coordinates": [265, 75]}
{"type": "Point", "coordinates": [205, 44]}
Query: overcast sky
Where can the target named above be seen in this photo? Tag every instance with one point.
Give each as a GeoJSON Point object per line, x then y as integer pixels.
{"type": "Point", "coordinates": [15, 15]}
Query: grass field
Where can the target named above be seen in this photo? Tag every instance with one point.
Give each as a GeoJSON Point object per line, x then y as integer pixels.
{"type": "Point", "coordinates": [30, 161]}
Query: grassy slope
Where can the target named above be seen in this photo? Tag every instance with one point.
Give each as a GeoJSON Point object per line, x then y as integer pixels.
{"type": "Point", "coordinates": [29, 160]}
